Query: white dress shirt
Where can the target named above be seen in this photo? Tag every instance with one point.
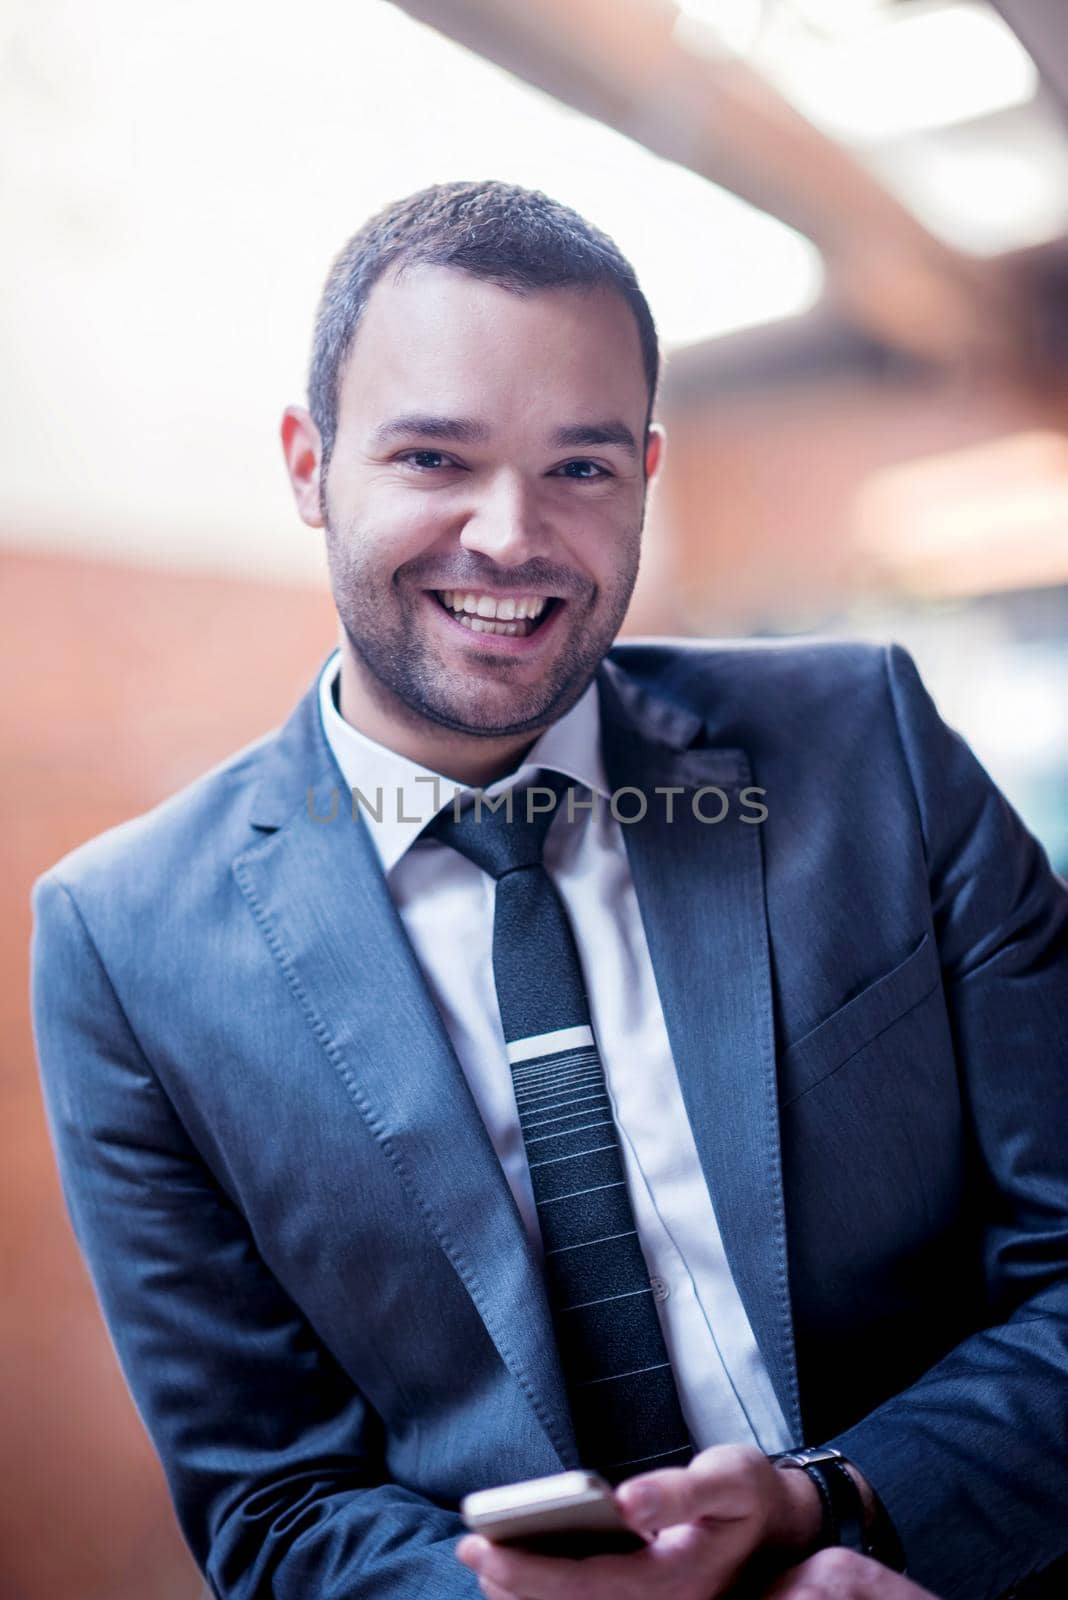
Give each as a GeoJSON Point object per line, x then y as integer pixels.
{"type": "Point", "coordinates": [446, 905]}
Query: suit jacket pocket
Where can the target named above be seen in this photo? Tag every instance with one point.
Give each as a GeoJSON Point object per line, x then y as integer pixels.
{"type": "Point", "coordinates": [828, 1046]}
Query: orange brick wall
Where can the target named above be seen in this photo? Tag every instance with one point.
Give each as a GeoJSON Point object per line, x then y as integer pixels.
{"type": "Point", "coordinates": [121, 686]}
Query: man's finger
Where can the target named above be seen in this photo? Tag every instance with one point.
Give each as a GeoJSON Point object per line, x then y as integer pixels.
{"type": "Point", "coordinates": [471, 1550]}
{"type": "Point", "coordinates": [723, 1483]}
{"type": "Point", "coordinates": [493, 1591]}
{"type": "Point", "coordinates": [537, 1577]}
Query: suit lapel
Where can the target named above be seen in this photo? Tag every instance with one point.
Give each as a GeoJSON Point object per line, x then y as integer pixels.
{"type": "Point", "coordinates": [317, 890]}
{"type": "Point", "coordinates": [700, 887]}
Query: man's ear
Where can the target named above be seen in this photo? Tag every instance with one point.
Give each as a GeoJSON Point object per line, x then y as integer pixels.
{"type": "Point", "coordinates": [304, 454]}
{"type": "Point", "coordinates": [654, 450]}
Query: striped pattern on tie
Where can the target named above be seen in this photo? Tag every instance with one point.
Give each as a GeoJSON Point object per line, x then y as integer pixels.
{"type": "Point", "coordinates": [621, 1389]}
{"type": "Point", "coordinates": [619, 1378]}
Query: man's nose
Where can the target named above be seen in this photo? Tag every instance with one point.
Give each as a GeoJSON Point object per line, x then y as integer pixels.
{"type": "Point", "coordinates": [507, 524]}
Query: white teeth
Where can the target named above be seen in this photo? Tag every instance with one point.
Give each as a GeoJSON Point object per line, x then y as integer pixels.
{"type": "Point", "coordinates": [510, 608]}
{"type": "Point", "coordinates": [483, 625]}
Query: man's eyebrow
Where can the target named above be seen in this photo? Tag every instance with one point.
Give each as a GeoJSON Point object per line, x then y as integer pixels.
{"type": "Point", "coordinates": [593, 433]}
{"type": "Point", "coordinates": [463, 429]}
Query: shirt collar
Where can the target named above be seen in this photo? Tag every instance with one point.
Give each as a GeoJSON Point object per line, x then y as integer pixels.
{"type": "Point", "coordinates": [571, 745]}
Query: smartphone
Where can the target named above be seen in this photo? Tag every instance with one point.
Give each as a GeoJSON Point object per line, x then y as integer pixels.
{"type": "Point", "coordinates": [570, 1514]}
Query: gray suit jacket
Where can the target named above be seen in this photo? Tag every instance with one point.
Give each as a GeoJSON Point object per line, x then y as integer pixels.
{"type": "Point", "coordinates": [314, 1274]}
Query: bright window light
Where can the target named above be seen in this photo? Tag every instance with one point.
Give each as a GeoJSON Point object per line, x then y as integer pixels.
{"type": "Point", "coordinates": [176, 180]}
{"type": "Point", "coordinates": [979, 190]}
{"type": "Point", "coordinates": [717, 26]}
{"type": "Point", "coordinates": [931, 69]}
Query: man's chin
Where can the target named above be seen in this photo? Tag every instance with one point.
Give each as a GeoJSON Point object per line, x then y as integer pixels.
{"type": "Point", "coordinates": [473, 699]}
{"type": "Point", "coordinates": [485, 720]}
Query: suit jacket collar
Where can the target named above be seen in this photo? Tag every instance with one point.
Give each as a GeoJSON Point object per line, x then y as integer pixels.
{"type": "Point", "coordinates": [314, 883]}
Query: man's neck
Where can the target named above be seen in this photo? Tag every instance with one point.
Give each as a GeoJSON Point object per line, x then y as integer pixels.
{"type": "Point", "coordinates": [467, 759]}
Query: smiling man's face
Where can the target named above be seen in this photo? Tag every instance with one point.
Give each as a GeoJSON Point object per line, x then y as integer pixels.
{"type": "Point", "coordinates": [483, 503]}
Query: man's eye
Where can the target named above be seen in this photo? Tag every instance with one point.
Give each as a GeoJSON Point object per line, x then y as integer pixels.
{"type": "Point", "coordinates": [425, 460]}
{"type": "Point", "coordinates": [585, 471]}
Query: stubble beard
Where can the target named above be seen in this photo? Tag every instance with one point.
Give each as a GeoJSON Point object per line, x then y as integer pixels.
{"type": "Point", "coordinates": [389, 639]}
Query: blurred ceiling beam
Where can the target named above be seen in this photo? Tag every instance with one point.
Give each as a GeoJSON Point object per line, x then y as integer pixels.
{"type": "Point", "coordinates": [633, 65]}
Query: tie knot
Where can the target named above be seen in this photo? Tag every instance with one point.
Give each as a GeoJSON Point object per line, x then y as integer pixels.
{"type": "Point", "coordinates": [507, 832]}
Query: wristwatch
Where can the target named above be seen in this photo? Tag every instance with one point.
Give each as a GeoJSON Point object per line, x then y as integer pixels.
{"type": "Point", "coordinates": [844, 1520]}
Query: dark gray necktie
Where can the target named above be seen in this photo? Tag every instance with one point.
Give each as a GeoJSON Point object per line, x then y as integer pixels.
{"type": "Point", "coordinates": [624, 1403]}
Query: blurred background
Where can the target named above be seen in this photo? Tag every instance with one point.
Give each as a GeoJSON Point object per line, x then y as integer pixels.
{"type": "Point", "coordinates": [851, 220]}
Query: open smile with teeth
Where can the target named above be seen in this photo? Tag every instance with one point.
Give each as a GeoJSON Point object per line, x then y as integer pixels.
{"type": "Point", "coordinates": [514, 614]}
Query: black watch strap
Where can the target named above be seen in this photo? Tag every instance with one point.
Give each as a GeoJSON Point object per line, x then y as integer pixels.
{"type": "Point", "coordinates": [843, 1509]}
{"type": "Point", "coordinates": [844, 1521]}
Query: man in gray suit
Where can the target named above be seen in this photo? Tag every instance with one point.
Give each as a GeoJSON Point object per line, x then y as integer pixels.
{"type": "Point", "coordinates": [545, 1052]}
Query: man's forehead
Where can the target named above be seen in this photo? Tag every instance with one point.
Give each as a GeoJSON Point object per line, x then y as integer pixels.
{"type": "Point", "coordinates": [425, 335]}
{"type": "Point", "coordinates": [423, 304]}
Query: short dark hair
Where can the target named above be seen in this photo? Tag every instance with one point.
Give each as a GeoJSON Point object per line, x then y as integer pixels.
{"type": "Point", "coordinates": [516, 238]}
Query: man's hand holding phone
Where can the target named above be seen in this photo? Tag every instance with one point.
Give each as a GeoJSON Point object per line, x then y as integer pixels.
{"type": "Point", "coordinates": [699, 1524]}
